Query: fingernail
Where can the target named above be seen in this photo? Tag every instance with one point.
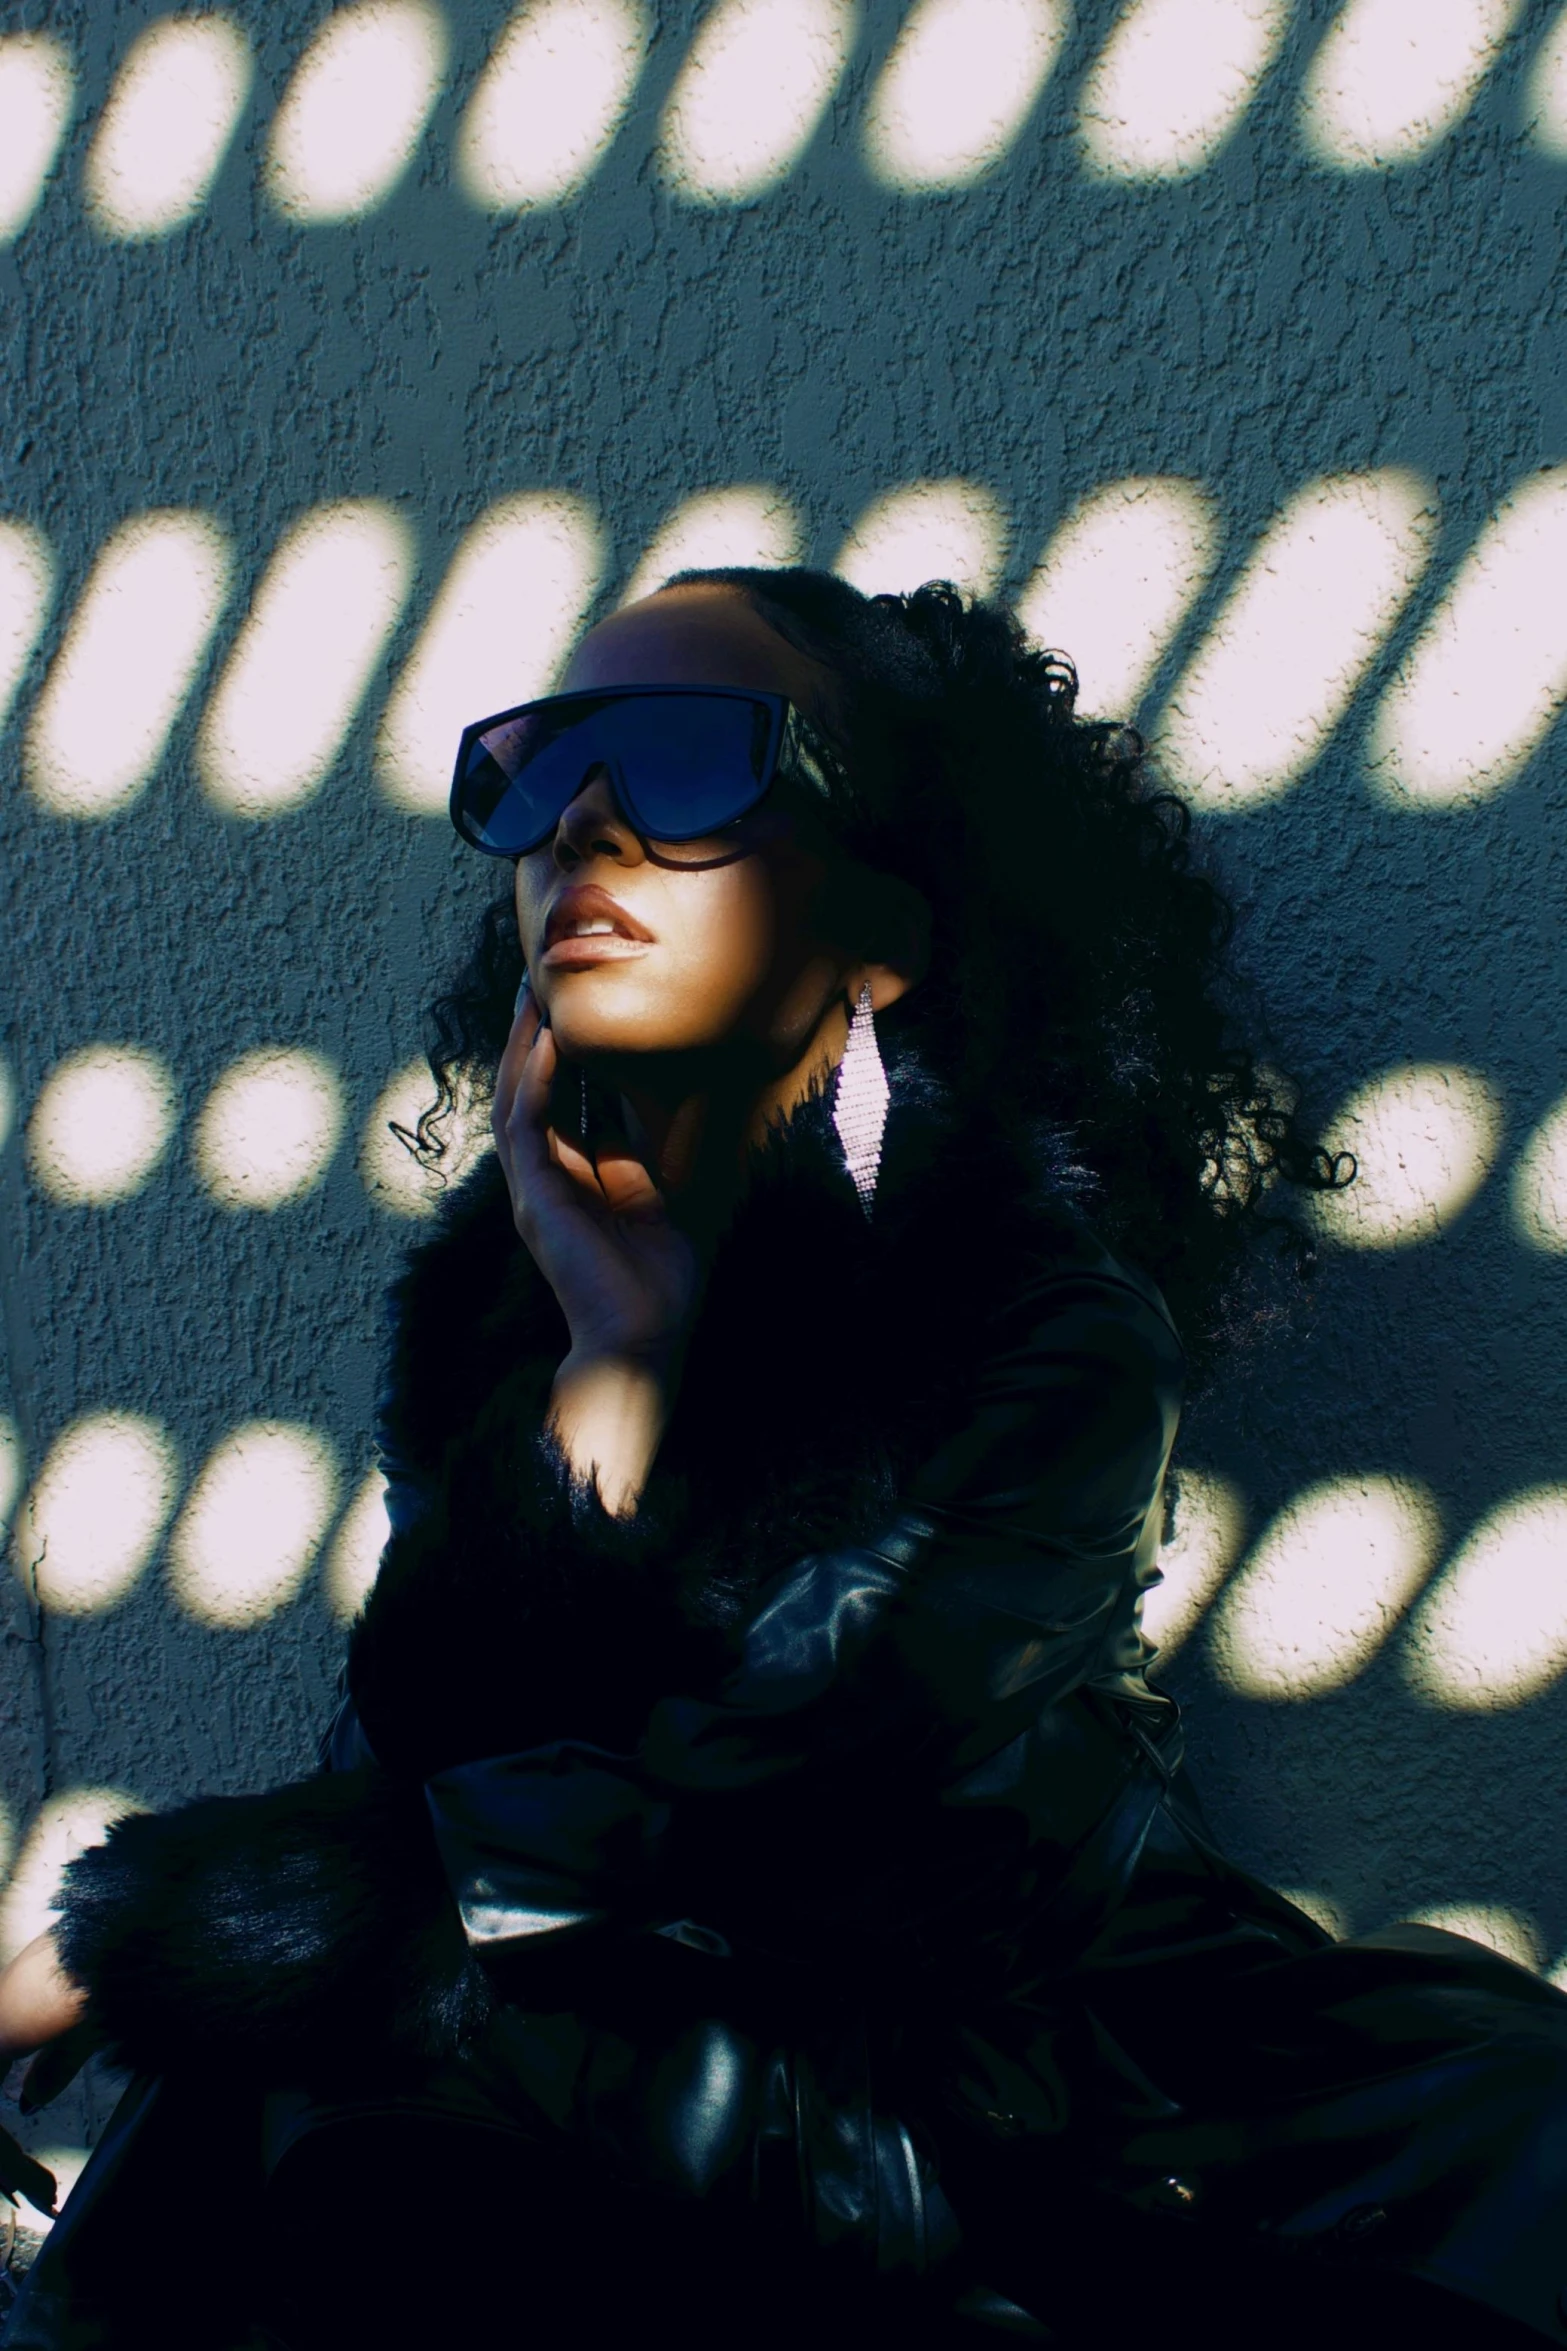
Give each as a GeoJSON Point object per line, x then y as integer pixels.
{"type": "Point", "coordinates": [522, 997]}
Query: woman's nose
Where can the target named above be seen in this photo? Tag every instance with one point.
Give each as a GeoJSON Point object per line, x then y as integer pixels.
{"type": "Point", "coordinates": [594, 825]}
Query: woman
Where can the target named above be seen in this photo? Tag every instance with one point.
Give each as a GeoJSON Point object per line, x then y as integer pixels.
{"type": "Point", "coordinates": [755, 1881]}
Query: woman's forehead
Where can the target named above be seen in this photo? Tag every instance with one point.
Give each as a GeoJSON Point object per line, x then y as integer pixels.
{"type": "Point", "coordinates": [702, 635]}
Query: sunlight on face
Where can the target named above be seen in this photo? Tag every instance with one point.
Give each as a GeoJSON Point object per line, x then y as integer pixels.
{"type": "Point", "coordinates": [1174, 82]}
{"type": "Point", "coordinates": [755, 83]}
{"type": "Point", "coordinates": [130, 655]}
{"type": "Point", "coordinates": [1485, 683]}
{"type": "Point", "coordinates": [167, 126]}
{"type": "Point", "coordinates": [35, 100]}
{"type": "Point", "coordinates": [253, 1524]}
{"type": "Point", "coordinates": [1206, 1540]}
{"type": "Point", "coordinates": [960, 84]}
{"type": "Point", "coordinates": [550, 101]}
{"type": "Point", "coordinates": [352, 115]}
{"type": "Point", "coordinates": [504, 620]}
{"type": "Point", "coordinates": [64, 1826]}
{"type": "Point", "coordinates": [328, 602]}
{"type": "Point", "coordinates": [1425, 1138]}
{"type": "Point", "coordinates": [1394, 76]}
{"type": "Point", "coordinates": [101, 1125]}
{"type": "Point", "coordinates": [1116, 582]}
{"type": "Point", "coordinates": [395, 1180]}
{"type": "Point", "coordinates": [26, 581]}
{"type": "Point", "coordinates": [96, 1511]}
{"type": "Point", "coordinates": [720, 530]}
{"type": "Point", "coordinates": [268, 1129]}
{"type": "Point", "coordinates": [356, 1550]}
{"type": "Point", "coordinates": [1297, 633]}
{"type": "Point", "coordinates": [1324, 1587]}
{"type": "Point", "coordinates": [952, 530]}
{"type": "Point", "coordinates": [722, 954]}
{"type": "Point", "coordinates": [1492, 1631]}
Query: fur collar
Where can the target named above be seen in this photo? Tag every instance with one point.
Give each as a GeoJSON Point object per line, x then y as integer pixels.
{"type": "Point", "coordinates": [308, 1933]}
{"type": "Point", "coordinates": [829, 1355]}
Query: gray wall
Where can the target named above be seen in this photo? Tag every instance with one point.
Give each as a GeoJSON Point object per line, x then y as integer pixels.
{"type": "Point", "coordinates": [1259, 324]}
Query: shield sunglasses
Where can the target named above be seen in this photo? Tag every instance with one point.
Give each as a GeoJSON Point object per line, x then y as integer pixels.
{"type": "Point", "coordinates": [684, 762]}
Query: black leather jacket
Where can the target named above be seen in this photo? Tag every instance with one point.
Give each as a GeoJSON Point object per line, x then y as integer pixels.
{"type": "Point", "coordinates": [818, 1845]}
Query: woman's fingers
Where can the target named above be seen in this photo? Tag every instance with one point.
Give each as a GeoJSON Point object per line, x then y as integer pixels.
{"type": "Point", "coordinates": [57, 2065]}
{"type": "Point", "coordinates": [628, 1190]}
{"type": "Point", "coordinates": [22, 2175]}
{"type": "Point", "coordinates": [543, 1166]}
{"type": "Point", "coordinates": [524, 1029]}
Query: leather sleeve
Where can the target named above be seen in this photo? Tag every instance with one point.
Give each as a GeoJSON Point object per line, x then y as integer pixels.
{"type": "Point", "coordinates": [869, 1677]}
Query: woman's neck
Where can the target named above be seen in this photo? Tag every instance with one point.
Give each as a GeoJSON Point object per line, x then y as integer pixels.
{"type": "Point", "coordinates": [697, 1124]}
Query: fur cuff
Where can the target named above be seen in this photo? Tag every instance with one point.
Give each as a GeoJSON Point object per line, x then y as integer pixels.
{"type": "Point", "coordinates": [289, 1934]}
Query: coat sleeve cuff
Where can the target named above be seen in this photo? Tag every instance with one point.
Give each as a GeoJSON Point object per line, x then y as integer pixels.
{"type": "Point", "coordinates": [285, 1933]}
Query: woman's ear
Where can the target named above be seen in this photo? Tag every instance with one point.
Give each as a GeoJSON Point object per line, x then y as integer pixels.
{"type": "Point", "coordinates": [900, 943]}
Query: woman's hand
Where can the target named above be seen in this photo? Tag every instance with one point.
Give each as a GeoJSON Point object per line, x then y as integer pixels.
{"type": "Point", "coordinates": [38, 2001]}
{"type": "Point", "coordinates": [626, 1277]}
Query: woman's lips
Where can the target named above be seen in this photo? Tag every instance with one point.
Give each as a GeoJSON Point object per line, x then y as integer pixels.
{"type": "Point", "coordinates": [587, 926]}
{"type": "Point", "coordinates": [597, 947]}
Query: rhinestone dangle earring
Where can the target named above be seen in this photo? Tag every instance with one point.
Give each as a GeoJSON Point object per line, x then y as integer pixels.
{"type": "Point", "coordinates": [859, 1108]}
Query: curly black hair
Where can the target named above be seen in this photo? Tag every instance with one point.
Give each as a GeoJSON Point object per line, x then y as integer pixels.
{"type": "Point", "coordinates": [1080, 970]}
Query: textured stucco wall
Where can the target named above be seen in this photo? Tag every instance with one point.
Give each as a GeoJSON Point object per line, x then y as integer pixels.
{"type": "Point", "coordinates": [1261, 323]}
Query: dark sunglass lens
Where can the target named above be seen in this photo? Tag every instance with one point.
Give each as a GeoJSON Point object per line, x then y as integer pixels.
{"type": "Point", "coordinates": [692, 763]}
{"type": "Point", "coordinates": [521, 775]}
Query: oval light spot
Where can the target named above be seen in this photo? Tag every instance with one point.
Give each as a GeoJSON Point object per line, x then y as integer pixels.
{"type": "Point", "coordinates": [1206, 1539]}
{"type": "Point", "coordinates": [1324, 1587]}
{"type": "Point", "coordinates": [1483, 686]}
{"type": "Point", "coordinates": [550, 101]}
{"type": "Point", "coordinates": [393, 1177]}
{"type": "Point", "coordinates": [167, 127]}
{"type": "Point", "coordinates": [356, 1550]}
{"type": "Point", "coordinates": [1173, 82]}
{"type": "Point", "coordinates": [718, 529]}
{"type": "Point", "coordinates": [1492, 1631]}
{"type": "Point", "coordinates": [352, 115]}
{"type": "Point", "coordinates": [268, 1129]}
{"type": "Point", "coordinates": [1326, 1910]}
{"type": "Point", "coordinates": [1394, 76]}
{"type": "Point", "coordinates": [1115, 583]}
{"type": "Point", "coordinates": [253, 1524]}
{"type": "Point", "coordinates": [100, 1125]}
{"type": "Point", "coordinates": [961, 82]}
{"type": "Point", "coordinates": [64, 1826]}
{"type": "Point", "coordinates": [951, 530]}
{"type": "Point", "coordinates": [1425, 1137]}
{"type": "Point", "coordinates": [758, 79]}
{"type": "Point", "coordinates": [504, 621]}
{"type": "Point", "coordinates": [95, 1512]}
{"type": "Point", "coordinates": [35, 100]}
{"type": "Point", "coordinates": [26, 578]}
{"type": "Point", "coordinates": [1539, 1185]}
{"type": "Point", "coordinates": [1508, 1932]}
{"type": "Point", "coordinates": [325, 608]}
{"type": "Point", "coordinates": [1546, 107]}
{"type": "Point", "coordinates": [120, 678]}
{"type": "Point", "coordinates": [11, 1467]}
{"type": "Point", "coordinates": [1297, 634]}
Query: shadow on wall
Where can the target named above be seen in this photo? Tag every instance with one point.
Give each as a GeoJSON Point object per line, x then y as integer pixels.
{"type": "Point", "coordinates": [362, 356]}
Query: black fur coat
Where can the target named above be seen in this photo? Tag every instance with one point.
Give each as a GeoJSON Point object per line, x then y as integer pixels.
{"type": "Point", "coordinates": [311, 1927]}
